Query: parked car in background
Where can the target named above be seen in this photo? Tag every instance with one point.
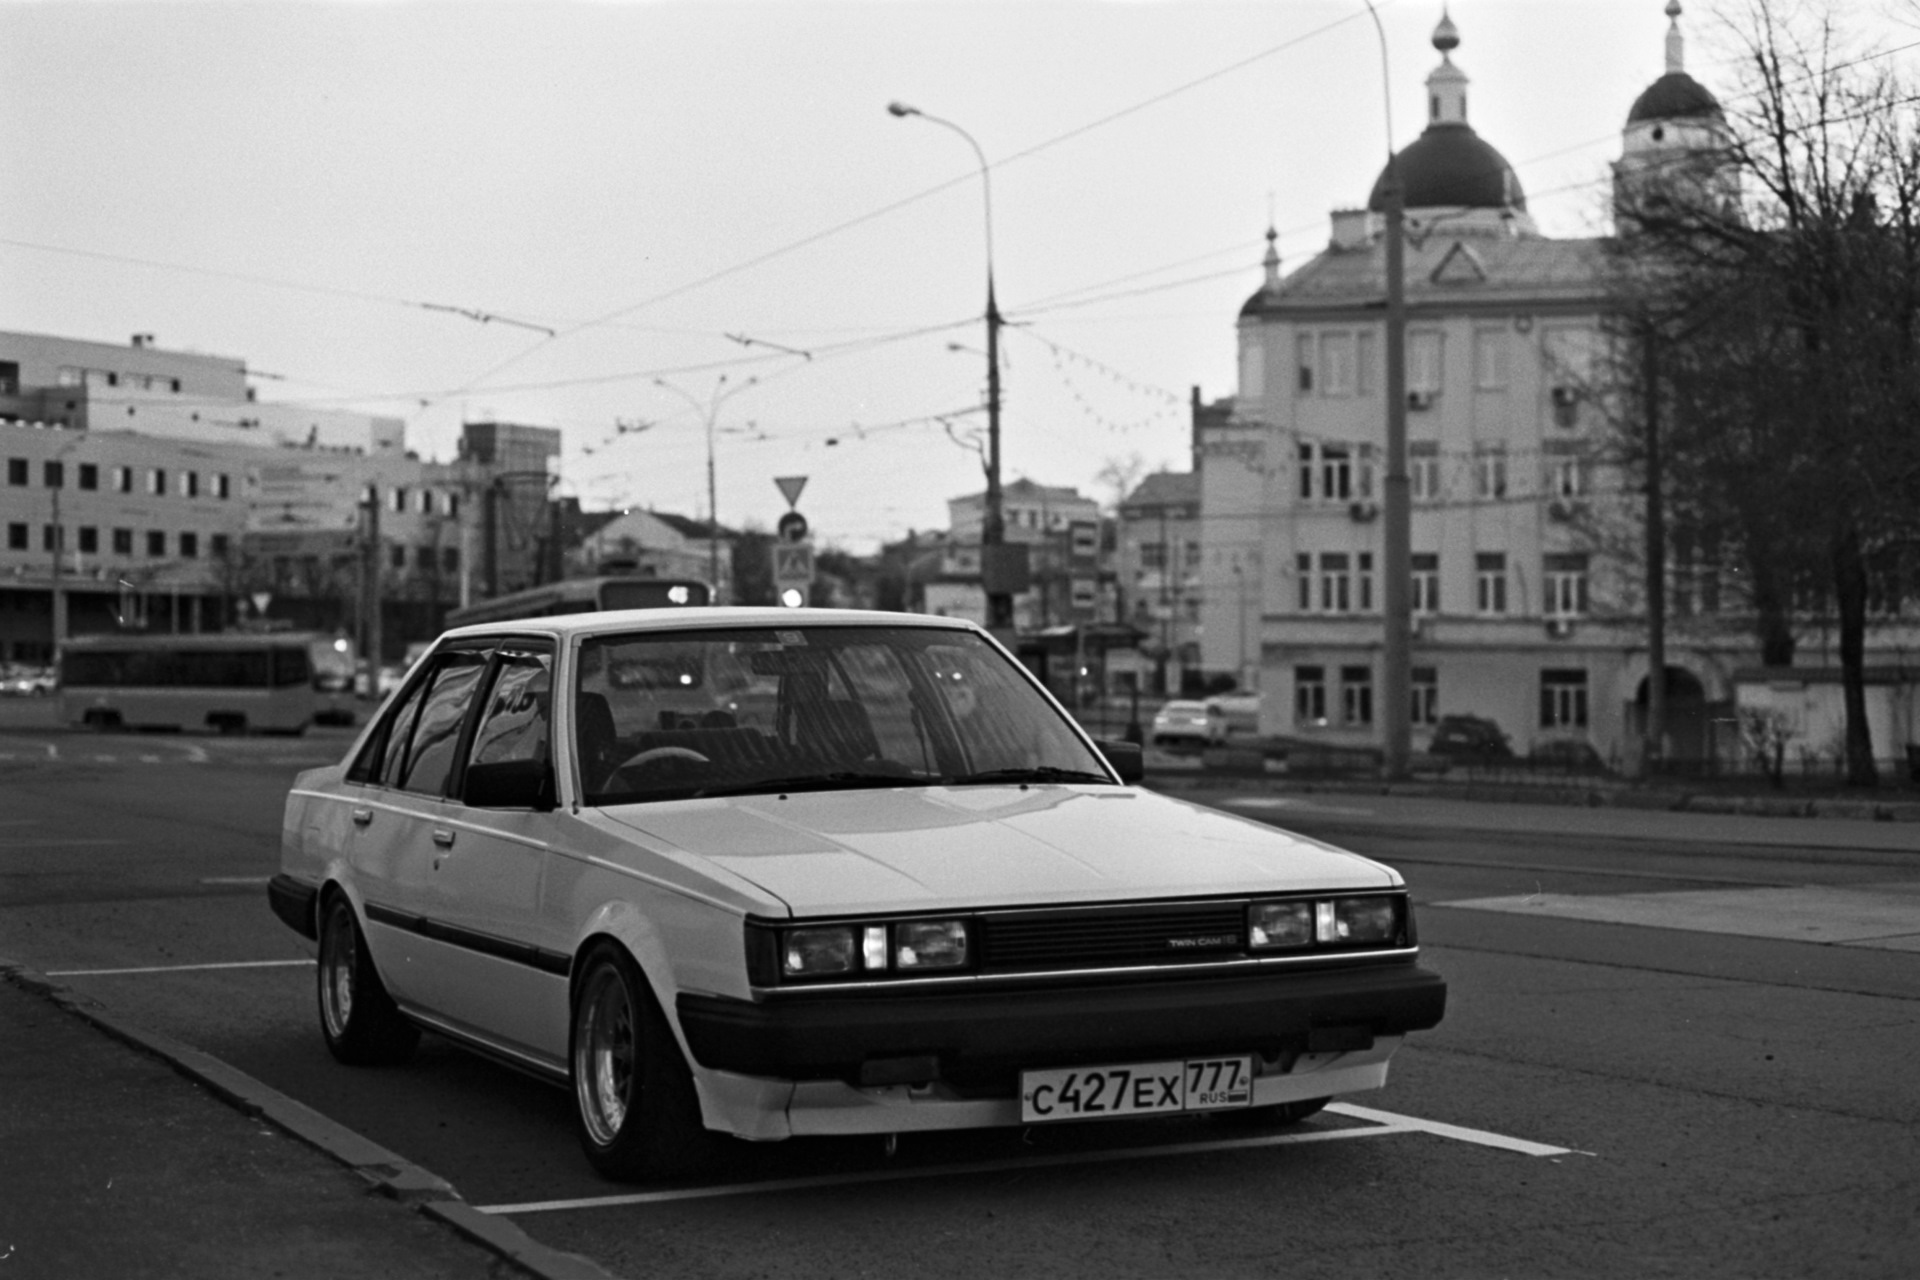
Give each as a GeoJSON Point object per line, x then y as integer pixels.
{"type": "Point", "coordinates": [776, 873]}
{"type": "Point", "coordinates": [1469, 739]}
{"type": "Point", "coordinates": [1188, 724]}
{"type": "Point", "coordinates": [1568, 755]}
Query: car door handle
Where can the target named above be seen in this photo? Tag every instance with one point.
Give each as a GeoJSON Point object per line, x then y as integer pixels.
{"type": "Point", "coordinates": [443, 837]}
{"type": "Point", "coordinates": [361, 817]}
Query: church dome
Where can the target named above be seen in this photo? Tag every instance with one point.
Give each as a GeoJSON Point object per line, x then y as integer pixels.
{"type": "Point", "coordinates": [1674, 96]}
{"type": "Point", "coordinates": [1451, 165]}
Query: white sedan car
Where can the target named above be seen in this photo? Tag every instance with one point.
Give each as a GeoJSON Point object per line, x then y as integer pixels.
{"type": "Point", "coordinates": [1189, 724]}
{"type": "Point", "coordinates": [772, 873]}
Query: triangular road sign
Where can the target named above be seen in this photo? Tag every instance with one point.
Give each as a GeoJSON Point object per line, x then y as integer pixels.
{"type": "Point", "coordinates": [790, 487]}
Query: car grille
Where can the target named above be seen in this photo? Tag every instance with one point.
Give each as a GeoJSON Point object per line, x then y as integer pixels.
{"type": "Point", "coordinates": [1102, 937]}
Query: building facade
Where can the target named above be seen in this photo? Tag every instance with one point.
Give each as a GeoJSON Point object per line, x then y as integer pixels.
{"type": "Point", "coordinates": [1066, 556]}
{"type": "Point", "coordinates": [1525, 611]}
{"type": "Point", "coordinates": [148, 489]}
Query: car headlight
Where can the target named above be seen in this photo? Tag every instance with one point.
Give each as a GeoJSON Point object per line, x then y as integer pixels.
{"type": "Point", "coordinates": [1280, 924]}
{"type": "Point", "coordinates": [930, 944]}
{"type": "Point", "coordinates": [1355, 920]}
{"type": "Point", "coordinates": [809, 952]}
{"type": "Point", "coordinates": [1369, 920]}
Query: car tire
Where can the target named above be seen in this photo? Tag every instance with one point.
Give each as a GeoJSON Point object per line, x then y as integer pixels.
{"type": "Point", "coordinates": [634, 1103]}
{"type": "Point", "coordinates": [1273, 1116]}
{"type": "Point", "coordinates": [357, 1017]}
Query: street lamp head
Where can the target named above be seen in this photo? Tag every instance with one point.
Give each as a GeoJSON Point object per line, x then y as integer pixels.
{"type": "Point", "coordinates": [901, 110]}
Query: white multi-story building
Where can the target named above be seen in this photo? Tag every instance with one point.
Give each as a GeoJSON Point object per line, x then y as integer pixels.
{"type": "Point", "coordinates": [152, 490]}
{"type": "Point", "coordinates": [1061, 530]}
{"type": "Point", "coordinates": [1519, 613]}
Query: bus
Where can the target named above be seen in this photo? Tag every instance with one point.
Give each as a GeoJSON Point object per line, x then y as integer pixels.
{"type": "Point", "coordinates": [267, 682]}
{"type": "Point", "coordinates": [585, 595]}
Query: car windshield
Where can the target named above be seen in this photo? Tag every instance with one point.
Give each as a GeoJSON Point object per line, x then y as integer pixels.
{"type": "Point", "coordinates": [673, 714]}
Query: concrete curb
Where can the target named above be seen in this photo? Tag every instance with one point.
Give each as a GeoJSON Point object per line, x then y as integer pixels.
{"type": "Point", "coordinates": [1582, 796]}
{"type": "Point", "coordinates": [390, 1174]}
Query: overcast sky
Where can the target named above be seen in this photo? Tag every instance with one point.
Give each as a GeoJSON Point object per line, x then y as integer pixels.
{"type": "Point", "coordinates": [682, 191]}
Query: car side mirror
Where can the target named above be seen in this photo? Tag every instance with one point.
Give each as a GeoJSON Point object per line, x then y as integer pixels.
{"type": "Point", "coordinates": [1126, 758]}
{"type": "Point", "coordinates": [510, 784]}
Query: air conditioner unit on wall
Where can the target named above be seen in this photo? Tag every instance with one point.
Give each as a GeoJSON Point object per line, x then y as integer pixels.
{"type": "Point", "coordinates": [1419, 399]}
{"type": "Point", "coordinates": [1363, 511]}
{"type": "Point", "coordinates": [1559, 628]}
{"type": "Point", "coordinates": [1563, 509]}
{"type": "Point", "coordinates": [1565, 396]}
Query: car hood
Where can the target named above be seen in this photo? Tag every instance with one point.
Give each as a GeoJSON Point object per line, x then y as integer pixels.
{"type": "Point", "coordinates": [932, 848]}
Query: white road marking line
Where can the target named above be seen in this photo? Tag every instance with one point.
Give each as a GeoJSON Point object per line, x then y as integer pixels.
{"type": "Point", "coordinates": [176, 968]}
{"type": "Point", "coordinates": [933, 1171]}
{"type": "Point", "coordinates": [1481, 1137]}
{"type": "Point", "coordinates": [61, 842]}
{"type": "Point", "coordinates": [1379, 1124]}
{"type": "Point", "coordinates": [235, 879]}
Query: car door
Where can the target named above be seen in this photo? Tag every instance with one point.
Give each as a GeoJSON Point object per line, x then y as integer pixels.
{"type": "Point", "coordinates": [404, 832]}
{"type": "Point", "coordinates": [508, 964]}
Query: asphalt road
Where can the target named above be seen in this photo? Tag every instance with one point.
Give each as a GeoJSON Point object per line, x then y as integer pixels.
{"type": "Point", "coordinates": [1604, 1098]}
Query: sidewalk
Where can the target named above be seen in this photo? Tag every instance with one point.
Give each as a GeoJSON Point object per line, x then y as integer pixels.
{"type": "Point", "coordinates": [117, 1164]}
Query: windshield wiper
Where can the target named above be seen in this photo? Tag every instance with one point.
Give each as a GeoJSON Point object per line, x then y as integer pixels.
{"type": "Point", "coordinates": [839, 780]}
{"type": "Point", "coordinates": [1031, 773]}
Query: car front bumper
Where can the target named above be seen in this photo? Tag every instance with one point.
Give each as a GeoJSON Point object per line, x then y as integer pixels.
{"type": "Point", "coordinates": [976, 1040]}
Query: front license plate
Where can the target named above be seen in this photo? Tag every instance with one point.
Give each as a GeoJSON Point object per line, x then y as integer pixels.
{"type": "Point", "coordinates": [1137, 1089]}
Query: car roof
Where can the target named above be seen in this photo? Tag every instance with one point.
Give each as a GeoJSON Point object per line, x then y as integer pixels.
{"type": "Point", "coordinates": [705, 618]}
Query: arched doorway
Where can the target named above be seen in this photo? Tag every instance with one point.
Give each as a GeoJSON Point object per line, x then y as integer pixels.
{"type": "Point", "coordinates": [1689, 722]}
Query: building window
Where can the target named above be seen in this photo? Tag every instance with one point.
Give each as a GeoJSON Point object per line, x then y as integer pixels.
{"type": "Point", "coordinates": [1490, 471]}
{"type": "Point", "coordinates": [123, 542]}
{"type": "Point", "coordinates": [190, 484]}
{"type": "Point", "coordinates": [1426, 582]}
{"type": "Point", "coordinates": [17, 537]}
{"type": "Point", "coordinates": [397, 556]}
{"type": "Point", "coordinates": [1303, 345]}
{"type": "Point", "coordinates": [1490, 359]}
{"type": "Point", "coordinates": [1330, 473]}
{"type": "Point", "coordinates": [1424, 684]}
{"type": "Point", "coordinates": [450, 559]}
{"type": "Point", "coordinates": [1566, 476]}
{"type": "Point", "coordinates": [1363, 579]}
{"type": "Point", "coordinates": [1490, 581]}
{"type": "Point", "coordinates": [397, 499]}
{"type": "Point", "coordinates": [54, 475]}
{"type": "Point", "coordinates": [89, 539]}
{"type": "Point", "coordinates": [217, 546]}
{"type": "Point", "coordinates": [89, 475]}
{"type": "Point", "coordinates": [1366, 361]}
{"type": "Point", "coordinates": [1309, 697]}
{"type": "Point", "coordinates": [16, 471]}
{"type": "Point", "coordinates": [156, 542]}
{"type": "Point", "coordinates": [1336, 472]}
{"type": "Point", "coordinates": [222, 485]}
{"type": "Point", "coordinates": [1303, 578]}
{"type": "Point", "coordinates": [50, 538]}
{"type": "Point", "coordinates": [1566, 579]}
{"type": "Point", "coordinates": [1153, 555]}
{"type": "Point", "coordinates": [453, 503]}
{"type": "Point", "coordinates": [1356, 696]}
{"type": "Point", "coordinates": [157, 481]}
{"type": "Point", "coordinates": [423, 558]}
{"type": "Point", "coordinates": [1423, 362]}
{"type": "Point", "coordinates": [1423, 470]}
{"type": "Point", "coordinates": [123, 479]}
{"type": "Point", "coordinates": [1335, 583]}
{"type": "Point", "coordinates": [1563, 699]}
{"type": "Point", "coordinates": [1336, 364]}
{"type": "Point", "coordinates": [189, 546]}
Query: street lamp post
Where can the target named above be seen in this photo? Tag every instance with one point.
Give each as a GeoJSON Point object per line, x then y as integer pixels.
{"type": "Point", "coordinates": [1396, 524]}
{"type": "Point", "coordinates": [993, 525]}
{"type": "Point", "coordinates": [710, 410]}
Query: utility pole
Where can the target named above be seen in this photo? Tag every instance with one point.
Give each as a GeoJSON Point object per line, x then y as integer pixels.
{"type": "Point", "coordinates": [1655, 729]}
{"type": "Point", "coordinates": [370, 638]}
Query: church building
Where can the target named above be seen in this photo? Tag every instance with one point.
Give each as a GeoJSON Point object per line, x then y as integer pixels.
{"type": "Point", "coordinates": [1527, 603]}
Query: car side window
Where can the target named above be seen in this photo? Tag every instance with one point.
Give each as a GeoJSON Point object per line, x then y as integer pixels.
{"type": "Point", "coordinates": [388, 743]}
{"type": "Point", "coordinates": [428, 761]}
{"type": "Point", "coordinates": [514, 718]}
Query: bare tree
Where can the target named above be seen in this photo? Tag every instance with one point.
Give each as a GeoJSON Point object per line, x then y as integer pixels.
{"type": "Point", "coordinates": [1776, 333]}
